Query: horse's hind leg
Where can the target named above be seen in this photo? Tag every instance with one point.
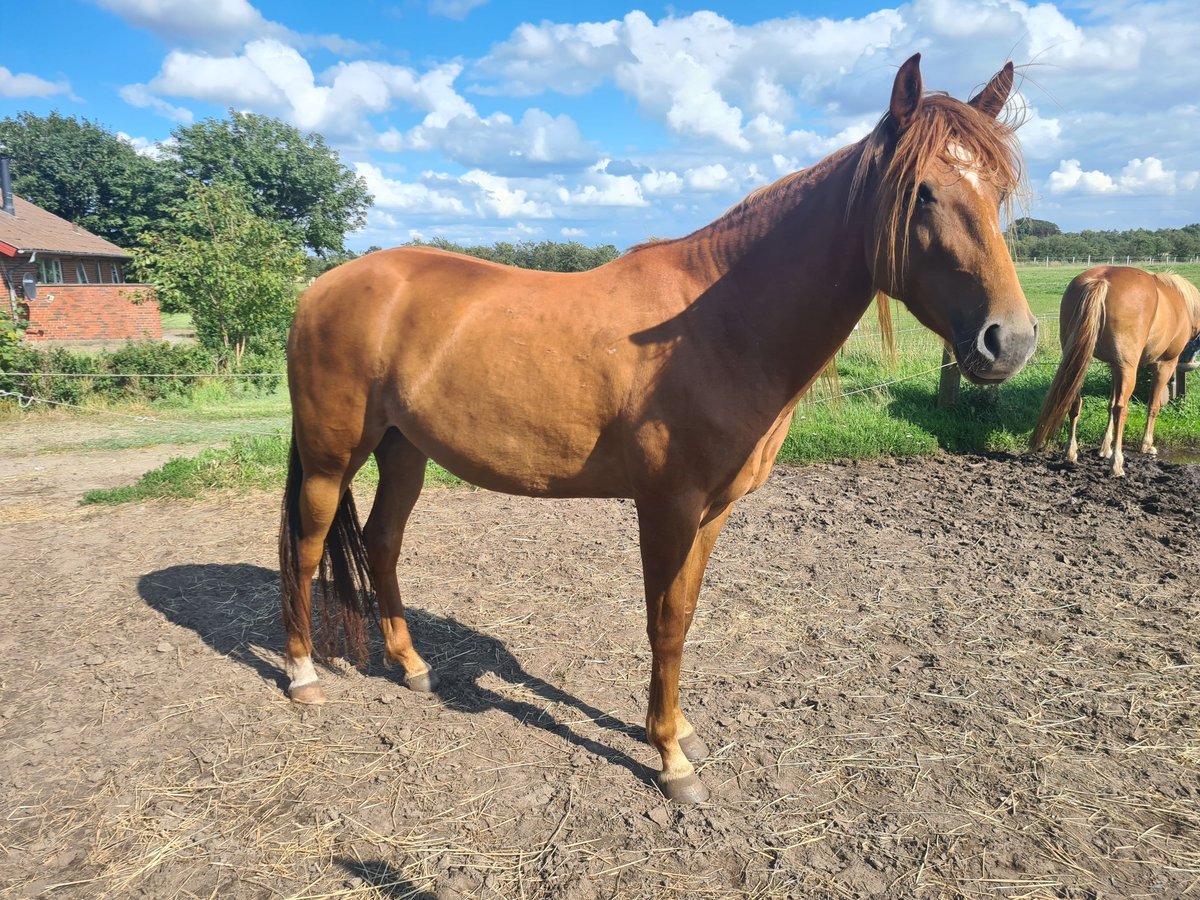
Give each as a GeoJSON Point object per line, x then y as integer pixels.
{"type": "Point", "coordinates": [1162, 375]}
{"type": "Point", "coordinates": [319, 496]}
{"type": "Point", "coordinates": [1073, 420]}
{"type": "Point", "coordinates": [1106, 442]}
{"type": "Point", "coordinates": [401, 477]}
{"type": "Point", "coordinates": [1123, 382]}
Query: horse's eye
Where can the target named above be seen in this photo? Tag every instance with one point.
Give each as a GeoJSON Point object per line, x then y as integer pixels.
{"type": "Point", "coordinates": [924, 193]}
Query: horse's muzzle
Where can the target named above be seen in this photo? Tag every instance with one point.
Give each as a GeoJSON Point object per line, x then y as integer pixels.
{"type": "Point", "coordinates": [998, 350]}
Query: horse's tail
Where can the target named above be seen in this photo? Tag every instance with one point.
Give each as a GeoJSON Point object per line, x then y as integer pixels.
{"type": "Point", "coordinates": [344, 600]}
{"type": "Point", "coordinates": [1079, 343]}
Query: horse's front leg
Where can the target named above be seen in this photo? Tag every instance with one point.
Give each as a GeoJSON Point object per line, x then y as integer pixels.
{"type": "Point", "coordinates": [1158, 390]}
{"type": "Point", "coordinates": [676, 542]}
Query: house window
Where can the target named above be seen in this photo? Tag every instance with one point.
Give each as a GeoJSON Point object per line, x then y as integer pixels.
{"type": "Point", "coordinates": [82, 273]}
{"type": "Point", "coordinates": [50, 271]}
{"type": "Point", "coordinates": [118, 277]}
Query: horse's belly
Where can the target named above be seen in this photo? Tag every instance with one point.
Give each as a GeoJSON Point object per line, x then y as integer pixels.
{"type": "Point", "coordinates": [499, 449]}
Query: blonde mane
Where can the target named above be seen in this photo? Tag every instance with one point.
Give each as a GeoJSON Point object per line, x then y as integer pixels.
{"type": "Point", "coordinates": [1189, 292]}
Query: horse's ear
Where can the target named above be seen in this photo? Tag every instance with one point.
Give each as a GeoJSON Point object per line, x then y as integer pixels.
{"type": "Point", "coordinates": [906, 93]}
{"type": "Point", "coordinates": [991, 99]}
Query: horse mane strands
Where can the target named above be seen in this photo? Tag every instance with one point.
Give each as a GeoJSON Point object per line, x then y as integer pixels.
{"type": "Point", "coordinates": [1191, 295]}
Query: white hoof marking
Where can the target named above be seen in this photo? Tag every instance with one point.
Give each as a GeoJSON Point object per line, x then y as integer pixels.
{"type": "Point", "coordinates": [300, 672]}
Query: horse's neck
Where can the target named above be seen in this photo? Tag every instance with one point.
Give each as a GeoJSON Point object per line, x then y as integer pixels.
{"type": "Point", "coordinates": [795, 265]}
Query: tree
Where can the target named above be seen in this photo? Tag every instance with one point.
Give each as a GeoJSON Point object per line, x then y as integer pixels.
{"type": "Point", "coordinates": [1026, 227]}
{"type": "Point", "coordinates": [292, 179]}
{"type": "Point", "coordinates": [80, 171]}
{"type": "Point", "coordinates": [235, 272]}
{"type": "Point", "coordinates": [547, 256]}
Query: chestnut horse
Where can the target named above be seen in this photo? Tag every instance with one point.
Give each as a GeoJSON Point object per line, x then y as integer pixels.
{"type": "Point", "coordinates": [667, 376]}
{"type": "Point", "coordinates": [1127, 318]}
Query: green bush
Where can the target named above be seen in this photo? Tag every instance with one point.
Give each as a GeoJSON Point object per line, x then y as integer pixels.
{"type": "Point", "coordinates": [146, 371]}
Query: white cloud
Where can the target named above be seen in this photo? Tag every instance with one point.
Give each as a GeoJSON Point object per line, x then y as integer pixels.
{"type": "Point", "coordinates": [1144, 176]}
{"type": "Point", "coordinates": [139, 95]}
{"type": "Point", "coordinates": [714, 177]}
{"type": "Point", "coordinates": [1147, 176]}
{"type": "Point", "coordinates": [21, 84]}
{"type": "Point", "coordinates": [191, 22]}
{"type": "Point", "coordinates": [1069, 176]}
{"type": "Point", "coordinates": [572, 233]}
{"type": "Point", "coordinates": [143, 146]}
{"type": "Point", "coordinates": [398, 196]}
{"type": "Point", "coordinates": [537, 141]}
{"type": "Point", "coordinates": [1041, 137]}
{"type": "Point", "coordinates": [453, 9]}
{"type": "Point", "coordinates": [499, 199]}
{"type": "Point", "coordinates": [599, 188]}
{"type": "Point", "coordinates": [700, 75]}
{"type": "Point", "coordinates": [214, 24]}
{"type": "Point", "coordinates": [273, 77]}
{"type": "Point", "coordinates": [661, 184]}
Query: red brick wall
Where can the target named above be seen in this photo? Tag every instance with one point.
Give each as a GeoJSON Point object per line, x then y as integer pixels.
{"type": "Point", "coordinates": [93, 312]}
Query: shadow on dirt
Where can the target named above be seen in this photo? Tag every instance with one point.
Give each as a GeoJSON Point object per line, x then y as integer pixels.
{"type": "Point", "coordinates": [383, 878]}
{"type": "Point", "coordinates": [234, 608]}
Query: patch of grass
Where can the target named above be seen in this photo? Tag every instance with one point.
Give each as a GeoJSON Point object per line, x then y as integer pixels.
{"type": "Point", "coordinates": [212, 414]}
{"type": "Point", "coordinates": [252, 461]}
{"type": "Point", "coordinates": [180, 321]}
{"type": "Point", "coordinates": [904, 418]}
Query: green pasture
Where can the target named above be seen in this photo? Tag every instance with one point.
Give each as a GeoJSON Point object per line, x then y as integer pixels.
{"type": "Point", "coordinates": [882, 407]}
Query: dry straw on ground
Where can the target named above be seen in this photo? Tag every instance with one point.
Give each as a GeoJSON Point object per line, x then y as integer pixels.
{"type": "Point", "coordinates": [952, 677]}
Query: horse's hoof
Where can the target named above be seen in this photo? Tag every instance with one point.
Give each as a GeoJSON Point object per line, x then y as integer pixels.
{"type": "Point", "coordinates": [308, 694]}
{"type": "Point", "coordinates": [685, 789]}
{"type": "Point", "coordinates": [1150, 451]}
{"type": "Point", "coordinates": [424, 683]}
{"type": "Point", "coordinates": [693, 747]}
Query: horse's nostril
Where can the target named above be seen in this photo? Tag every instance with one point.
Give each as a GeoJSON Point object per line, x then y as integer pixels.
{"type": "Point", "coordinates": [991, 340]}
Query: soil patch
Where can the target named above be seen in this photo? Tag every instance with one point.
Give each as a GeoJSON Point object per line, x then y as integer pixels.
{"type": "Point", "coordinates": [954, 676]}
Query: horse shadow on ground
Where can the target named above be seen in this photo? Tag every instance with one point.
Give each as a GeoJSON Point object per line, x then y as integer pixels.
{"type": "Point", "coordinates": [234, 608]}
{"type": "Point", "coordinates": [384, 879]}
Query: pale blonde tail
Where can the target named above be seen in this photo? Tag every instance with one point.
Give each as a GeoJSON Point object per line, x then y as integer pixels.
{"type": "Point", "coordinates": [1079, 343]}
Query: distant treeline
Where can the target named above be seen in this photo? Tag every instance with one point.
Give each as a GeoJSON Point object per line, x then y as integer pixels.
{"type": "Point", "coordinates": [1038, 239]}
{"type": "Point", "coordinates": [1028, 239]}
{"type": "Point", "coordinates": [546, 256]}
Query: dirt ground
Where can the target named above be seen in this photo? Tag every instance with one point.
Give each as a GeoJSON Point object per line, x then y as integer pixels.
{"type": "Point", "coordinates": [957, 676]}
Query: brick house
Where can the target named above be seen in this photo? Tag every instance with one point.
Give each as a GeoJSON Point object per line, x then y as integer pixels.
{"type": "Point", "coordinates": [67, 283]}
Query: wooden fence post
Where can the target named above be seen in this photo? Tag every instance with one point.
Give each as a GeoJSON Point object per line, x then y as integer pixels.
{"type": "Point", "coordinates": [949, 382]}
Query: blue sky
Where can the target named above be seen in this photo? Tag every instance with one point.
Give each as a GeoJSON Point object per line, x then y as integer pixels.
{"type": "Point", "coordinates": [606, 122]}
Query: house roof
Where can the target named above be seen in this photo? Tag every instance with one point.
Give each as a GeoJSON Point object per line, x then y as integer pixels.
{"type": "Point", "coordinates": [32, 228]}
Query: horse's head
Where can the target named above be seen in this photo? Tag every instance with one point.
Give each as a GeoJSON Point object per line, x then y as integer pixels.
{"type": "Point", "coordinates": [933, 175]}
